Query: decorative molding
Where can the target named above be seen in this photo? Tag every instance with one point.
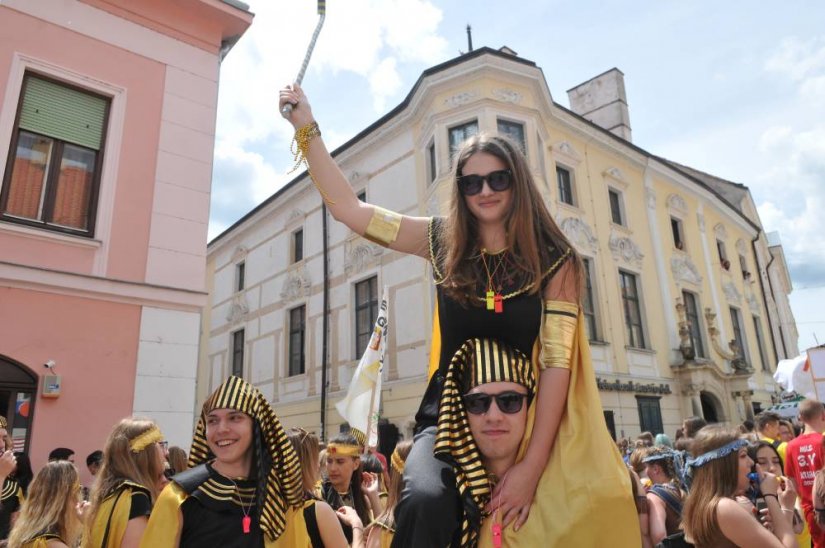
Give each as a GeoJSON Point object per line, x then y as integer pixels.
{"type": "Point", "coordinates": [238, 309]}
{"type": "Point", "coordinates": [650, 197]}
{"type": "Point", "coordinates": [580, 234]}
{"type": "Point", "coordinates": [684, 270]}
{"type": "Point", "coordinates": [296, 285]}
{"type": "Point", "coordinates": [677, 204]}
{"type": "Point", "coordinates": [360, 253]}
{"type": "Point", "coordinates": [710, 317]}
{"type": "Point", "coordinates": [741, 248]}
{"type": "Point", "coordinates": [460, 99]}
{"type": "Point", "coordinates": [239, 254]}
{"type": "Point", "coordinates": [731, 293]}
{"type": "Point", "coordinates": [700, 220]}
{"type": "Point", "coordinates": [625, 249]}
{"type": "Point", "coordinates": [566, 153]}
{"type": "Point", "coordinates": [685, 344]}
{"type": "Point", "coordinates": [720, 231]}
{"type": "Point", "coordinates": [507, 95]}
{"type": "Point", "coordinates": [753, 302]}
{"type": "Point", "coordinates": [295, 217]}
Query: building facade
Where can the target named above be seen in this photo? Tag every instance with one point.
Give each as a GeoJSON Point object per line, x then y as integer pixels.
{"type": "Point", "coordinates": [107, 124]}
{"type": "Point", "coordinates": [680, 313]}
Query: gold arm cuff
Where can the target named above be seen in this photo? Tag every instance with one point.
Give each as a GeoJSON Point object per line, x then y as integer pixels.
{"type": "Point", "coordinates": [383, 227]}
{"type": "Point", "coordinates": [557, 334]}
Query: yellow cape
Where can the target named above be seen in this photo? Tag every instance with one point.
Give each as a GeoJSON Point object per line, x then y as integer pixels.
{"type": "Point", "coordinates": [165, 521]}
{"type": "Point", "coordinates": [584, 497]}
{"type": "Point", "coordinates": [114, 510]}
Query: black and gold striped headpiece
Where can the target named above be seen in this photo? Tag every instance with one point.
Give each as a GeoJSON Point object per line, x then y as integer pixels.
{"type": "Point", "coordinates": [281, 488]}
{"type": "Point", "coordinates": [477, 361]}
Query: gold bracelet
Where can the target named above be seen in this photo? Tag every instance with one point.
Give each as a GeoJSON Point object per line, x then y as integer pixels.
{"type": "Point", "coordinates": [299, 148]}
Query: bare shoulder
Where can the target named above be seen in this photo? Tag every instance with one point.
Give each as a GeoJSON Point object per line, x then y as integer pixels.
{"type": "Point", "coordinates": [564, 284]}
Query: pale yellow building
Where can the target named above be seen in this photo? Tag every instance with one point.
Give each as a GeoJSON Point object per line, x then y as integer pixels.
{"type": "Point", "coordinates": [678, 264]}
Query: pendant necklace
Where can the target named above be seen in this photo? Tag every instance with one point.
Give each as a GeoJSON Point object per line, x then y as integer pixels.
{"type": "Point", "coordinates": [493, 299]}
{"type": "Point", "coordinates": [496, 527]}
{"type": "Point", "coordinates": [246, 521]}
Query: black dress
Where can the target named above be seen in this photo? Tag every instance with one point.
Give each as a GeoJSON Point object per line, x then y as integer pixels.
{"type": "Point", "coordinates": [429, 511]}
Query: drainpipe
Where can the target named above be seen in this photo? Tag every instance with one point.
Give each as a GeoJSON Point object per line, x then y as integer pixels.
{"type": "Point", "coordinates": [325, 323]}
{"type": "Point", "coordinates": [765, 300]}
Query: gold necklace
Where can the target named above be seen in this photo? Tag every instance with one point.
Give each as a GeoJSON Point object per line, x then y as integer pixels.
{"type": "Point", "coordinates": [493, 298]}
{"type": "Point", "coordinates": [529, 286]}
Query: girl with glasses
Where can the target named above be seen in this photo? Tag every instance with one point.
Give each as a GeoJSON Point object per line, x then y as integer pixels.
{"type": "Point", "coordinates": [503, 269]}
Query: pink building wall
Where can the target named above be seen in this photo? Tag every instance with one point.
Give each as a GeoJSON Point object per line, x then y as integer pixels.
{"type": "Point", "coordinates": [94, 346]}
{"type": "Point", "coordinates": [118, 312]}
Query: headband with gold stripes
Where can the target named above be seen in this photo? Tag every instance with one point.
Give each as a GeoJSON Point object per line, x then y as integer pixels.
{"type": "Point", "coordinates": [343, 450]}
{"type": "Point", "coordinates": [477, 361]}
{"type": "Point", "coordinates": [144, 440]}
{"type": "Point", "coordinates": [282, 488]}
{"type": "Point", "coordinates": [3, 422]}
{"type": "Point", "coordinates": [397, 461]}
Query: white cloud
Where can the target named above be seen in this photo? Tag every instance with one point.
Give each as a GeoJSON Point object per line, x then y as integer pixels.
{"type": "Point", "coordinates": [369, 38]}
{"type": "Point", "coordinates": [384, 82]}
{"type": "Point", "coordinates": [797, 58]}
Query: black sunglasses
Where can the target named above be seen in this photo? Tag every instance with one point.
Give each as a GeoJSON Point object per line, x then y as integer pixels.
{"type": "Point", "coordinates": [507, 402]}
{"type": "Point", "coordinates": [470, 185]}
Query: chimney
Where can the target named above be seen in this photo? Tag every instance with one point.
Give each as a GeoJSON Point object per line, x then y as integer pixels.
{"type": "Point", "coordinates": [603, 101]}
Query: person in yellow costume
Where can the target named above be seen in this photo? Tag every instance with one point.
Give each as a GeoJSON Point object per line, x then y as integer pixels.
{"type": "Point", "coordinates": [243, 487]}
{"type": "Point", "coordinates": [503, 269]}
{"type": "Point", "coordinates": [51, 515]}
{"type": "Point", "coordinates": [129, 481]}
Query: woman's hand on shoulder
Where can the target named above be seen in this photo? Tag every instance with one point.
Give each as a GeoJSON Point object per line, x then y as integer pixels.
{"type": "Point", "coordinates": [301, 114]}
{"type": "Point", "coordinates": [348, 515]}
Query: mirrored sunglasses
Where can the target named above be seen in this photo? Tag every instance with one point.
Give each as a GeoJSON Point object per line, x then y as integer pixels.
{"type": "Point", "coordinates": [499, 181]}
{"type": "Point", "coordinates": [507, 402]}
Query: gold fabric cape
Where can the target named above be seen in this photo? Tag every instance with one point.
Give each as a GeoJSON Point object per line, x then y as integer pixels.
{"type": "Point", "coordinates": [121, 499]}
{"type": "Point", "coordinates": [165, 522]}
{"type": "Point", "coordinates": [584, 497]}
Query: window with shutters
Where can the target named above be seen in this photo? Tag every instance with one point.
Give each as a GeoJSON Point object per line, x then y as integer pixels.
{"type": "Point", "coordinates": [53, 173]}
{"type": "Point", "coordinates": [650, 414]}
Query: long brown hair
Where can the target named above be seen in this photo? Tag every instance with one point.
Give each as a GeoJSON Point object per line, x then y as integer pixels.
{"type": "Point", "coordinates": [120, 464]}
{"type": "Point", "coordinates": [530, 230]}
{"type": "Point", "coordinates": [50, 505]}
{"type": "Point", "coordinates": [387, 517]}
{"type": "Point", "coordinates": [717, 479]}
{"type": "Point", "coordinates": [306, 446]}
{"type": "Point", "coordinates": [177, 459]}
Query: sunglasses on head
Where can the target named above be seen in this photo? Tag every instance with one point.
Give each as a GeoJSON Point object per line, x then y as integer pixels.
{"type": "Point", "coordinates": [499, 181]}
{"type": "Point", "coordinates": [507, 402]}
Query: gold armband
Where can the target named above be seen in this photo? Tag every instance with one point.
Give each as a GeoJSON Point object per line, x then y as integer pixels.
{"type": "Point", "coordinates": [558, 333]}
{"type": "Point", "coordinates": [383, 227]}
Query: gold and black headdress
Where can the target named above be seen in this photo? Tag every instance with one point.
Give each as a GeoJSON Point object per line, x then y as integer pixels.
{"type": "Point", "coordinates": [477, 361]}
{"type": "Point", "coordinates": [282, 487]}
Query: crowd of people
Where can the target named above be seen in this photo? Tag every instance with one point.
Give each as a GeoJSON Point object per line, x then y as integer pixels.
{"type": "Point", "coordinates": [510, 445]}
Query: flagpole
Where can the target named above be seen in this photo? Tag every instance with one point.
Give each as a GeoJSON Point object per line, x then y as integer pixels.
{"type": "Point", "coordinates": [369, 417]}
{"type": "Point", "coordinates": [286, 110]}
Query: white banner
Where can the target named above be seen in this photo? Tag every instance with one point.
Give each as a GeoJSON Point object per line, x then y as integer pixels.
{"type": "Point", "coordinates": [363, 400]}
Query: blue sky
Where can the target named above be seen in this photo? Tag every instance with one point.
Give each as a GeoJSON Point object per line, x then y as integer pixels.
{"type": "Point", "coordinates": [734, 88]}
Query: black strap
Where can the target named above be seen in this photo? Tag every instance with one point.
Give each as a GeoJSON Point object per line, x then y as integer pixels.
{"type": "Point", "coordinates": [776, 443]}
{"type": "Point", "coordinates": [312, 527]}
{"type": "Point", "coordinates": [109, 521]}
{"type": "Point", "coordinates": [193, 478]}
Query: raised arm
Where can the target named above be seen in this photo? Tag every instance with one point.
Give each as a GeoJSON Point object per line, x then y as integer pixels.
{"type": "Point", "coordinates": [399, 232]}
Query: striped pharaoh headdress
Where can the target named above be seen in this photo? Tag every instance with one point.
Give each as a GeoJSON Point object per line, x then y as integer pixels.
{"type": "Point", "coordinates": [281, 488]}
{"type": "Point", "coordinates": [477, 361]}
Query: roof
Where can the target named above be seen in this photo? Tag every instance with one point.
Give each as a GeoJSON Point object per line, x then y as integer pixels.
{"type": "Point", "coordinates": [237, 4]}
{"type": "Point", "coordinates": [709, 182]}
